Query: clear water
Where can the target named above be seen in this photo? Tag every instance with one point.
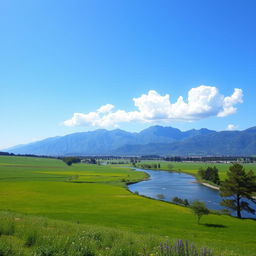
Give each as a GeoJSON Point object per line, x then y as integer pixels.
{"type": "Point", "coordinates": [171, 184]}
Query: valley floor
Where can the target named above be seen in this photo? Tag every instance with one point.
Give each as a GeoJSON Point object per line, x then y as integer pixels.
{"type": "Point", "coordinates": [97, 195]}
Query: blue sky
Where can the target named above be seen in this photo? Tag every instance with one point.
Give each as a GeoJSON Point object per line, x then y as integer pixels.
{"type": "Point", "coordinates": [58, 58]}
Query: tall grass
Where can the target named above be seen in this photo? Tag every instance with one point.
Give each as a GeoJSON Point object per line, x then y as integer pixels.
{"type": "Point", "coordinates": [26, 235]}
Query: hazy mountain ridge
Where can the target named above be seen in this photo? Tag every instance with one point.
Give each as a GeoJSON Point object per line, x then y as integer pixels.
{"type": "Point", "coordinates": [153, 140]}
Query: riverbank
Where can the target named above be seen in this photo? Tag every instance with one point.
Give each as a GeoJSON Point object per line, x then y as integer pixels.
{"type": "Point", "coordinates": [198, 180]}
{"type": "Point", "coordinates": [216, 188]}
{"type": "Point", "coordinates": [209, 185]}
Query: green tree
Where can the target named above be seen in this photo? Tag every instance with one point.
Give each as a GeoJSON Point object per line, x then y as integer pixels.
{"type": "Point", "coordinates": [199, 210]}
{"type": "Point", "coordinates": [70, 160]}
{"type": "Point", "coordinates": [239, 184]}
{"type": "Point", "coordinates": [210, 173]}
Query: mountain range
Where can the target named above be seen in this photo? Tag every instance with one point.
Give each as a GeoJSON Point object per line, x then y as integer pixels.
{"type": "Point", "coordinates": [155, 140]}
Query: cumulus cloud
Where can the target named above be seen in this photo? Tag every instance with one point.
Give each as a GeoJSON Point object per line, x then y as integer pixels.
{"type": "Point", "coordinates": [231, 127]}
{"type": "Point", "coordinates": [229, 102]}
{"type": "Point", "coordinates": [105, 108]}
{"type": "Point", "coordinates": [202, 102]}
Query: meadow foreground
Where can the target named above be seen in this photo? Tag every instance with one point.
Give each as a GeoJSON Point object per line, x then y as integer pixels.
{"type": "Point", "coordinates": [97, 196]}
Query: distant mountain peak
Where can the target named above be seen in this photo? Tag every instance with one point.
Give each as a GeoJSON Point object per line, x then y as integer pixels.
{"type": "Point", "coordinates": [251, 129]}
{"type": "Point", "coordinates": [152, 140]}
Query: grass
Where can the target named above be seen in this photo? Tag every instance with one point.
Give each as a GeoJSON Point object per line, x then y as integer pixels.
{"type": "Point", "coordinates": [97, 196]}
{"type": "Point", "coordinates": [39, 236]}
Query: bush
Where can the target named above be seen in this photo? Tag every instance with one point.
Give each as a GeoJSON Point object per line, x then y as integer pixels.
{"type": "Point", "coordinates": [199, 210]}
{"type": "Point", "coordinates": [180, 201]}
{"type": "Point", "coordinates": [149, 166]}
{"type": "Point", "coordinates": [160, 196]}
{"type": "Point", "coordinates": [70, 160]}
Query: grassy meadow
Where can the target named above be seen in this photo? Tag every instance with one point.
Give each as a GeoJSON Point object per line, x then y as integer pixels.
{"type": "Point", "coordinates": [96, 197]}
{"type": "Point", "coordinates": [26, 235]}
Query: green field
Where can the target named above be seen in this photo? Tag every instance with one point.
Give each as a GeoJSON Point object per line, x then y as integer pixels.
{"type": "Point", "coordinates": [97, 196]}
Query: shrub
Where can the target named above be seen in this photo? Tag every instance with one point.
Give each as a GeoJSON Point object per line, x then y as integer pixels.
{"type": "Point", "coordinates": [180, 201]}
{"type": "Point", "coordinates": [199, 209]}
{"type": "Point", "coordinates": [160, 196]}
{"type": "Point", "coordinates": [70, 160]}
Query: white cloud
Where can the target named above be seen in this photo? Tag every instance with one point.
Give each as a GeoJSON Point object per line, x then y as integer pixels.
{"type": "Point", "coordinates": [229, 102]}
{"type": "Point", "coordinates": [105, 108]}
{"type": "Point", "coordinates": [231, 127]}
{"type": "Point", "coordinates": [202, 102]}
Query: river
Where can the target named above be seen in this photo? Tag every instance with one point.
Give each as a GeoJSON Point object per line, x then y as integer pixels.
{"type": "Point", "coordinates": [173, 184]}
